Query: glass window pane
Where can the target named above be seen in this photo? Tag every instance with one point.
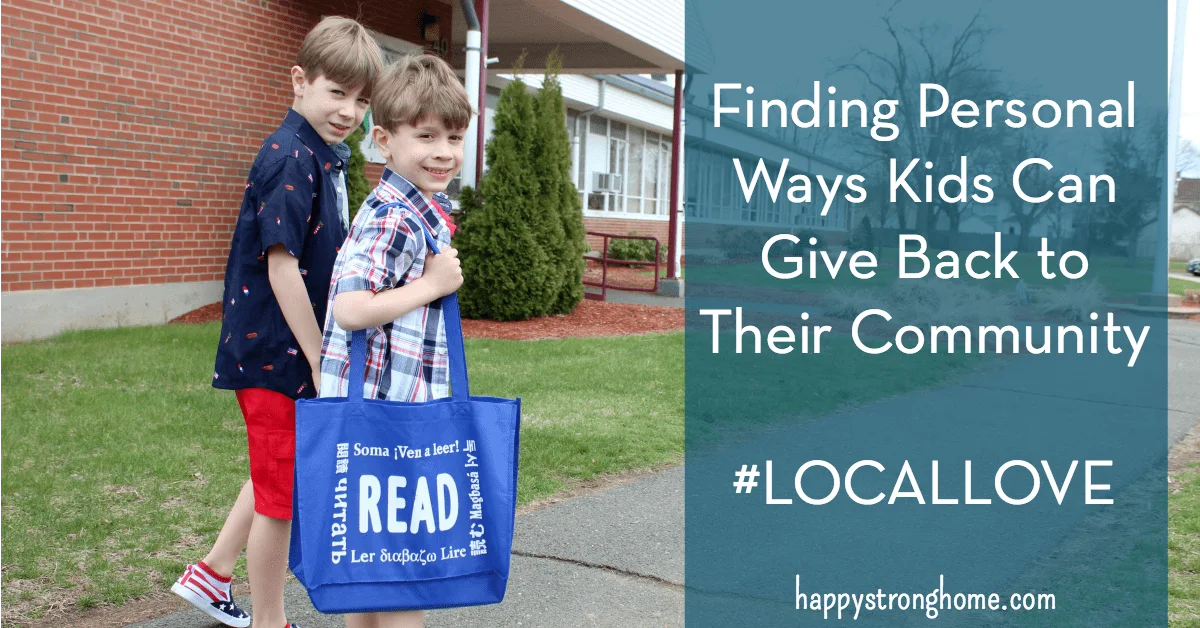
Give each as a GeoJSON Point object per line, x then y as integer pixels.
{"type": "Point", "coordinates": [595, 159]}
{"type": "Point", "coordinates": [616, 156]}
{"type": "Point", "coordinates": [664, 172]}
{"type": "Point", "coordinates": [637, 146]}
{"type": "Point", "coordinates": [582, 168]}
{"type": "Point", "coordinates": [650, 172]}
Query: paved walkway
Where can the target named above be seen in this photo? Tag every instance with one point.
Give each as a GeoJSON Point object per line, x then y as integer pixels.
{"type": "Point", "coordinates": [643, 298]}
{"type": "Point", "coordinates": [612, 558]}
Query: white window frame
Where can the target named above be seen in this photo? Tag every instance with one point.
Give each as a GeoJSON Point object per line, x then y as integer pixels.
{"type": "Point", "coordinates": [664, 182]}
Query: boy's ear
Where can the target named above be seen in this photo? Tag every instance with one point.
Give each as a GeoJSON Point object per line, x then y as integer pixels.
{"type": "Point", "coordinates": [379, 135]}
{"type": "Point", "coordinates": [298, 81]}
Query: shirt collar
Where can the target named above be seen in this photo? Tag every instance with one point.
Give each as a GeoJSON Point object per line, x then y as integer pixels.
{"type": "Point", "coordinates": [297, 124]}
{"type": "Point", "coordinates": [343, 153]}
{"type": "Point", "coordinates": [431, 213]}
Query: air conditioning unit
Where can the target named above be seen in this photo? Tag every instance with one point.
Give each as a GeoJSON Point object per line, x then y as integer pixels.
{"type": "Point", "coordinates": [606, 182]}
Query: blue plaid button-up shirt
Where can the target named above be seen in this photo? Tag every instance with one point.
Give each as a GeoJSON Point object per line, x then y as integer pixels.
{"type": "Point", "coordinates": [386, 249]}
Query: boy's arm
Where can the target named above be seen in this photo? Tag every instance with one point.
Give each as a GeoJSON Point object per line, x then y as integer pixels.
{"type": "Point", "coordinates": [360, 309]}
{"type": "Point", "coordinates": [283, 270]}
{"type": "Point", "coordinates": [286, 191]}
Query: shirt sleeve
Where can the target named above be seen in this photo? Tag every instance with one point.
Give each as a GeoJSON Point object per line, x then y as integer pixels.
{"type": "Point", "coordinates": [378, 256]}
{"type": "Point", "coordinates": [285, 205]}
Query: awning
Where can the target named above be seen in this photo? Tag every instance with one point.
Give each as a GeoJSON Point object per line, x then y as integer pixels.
{"type": "Point", "coordinates": [593, 36]}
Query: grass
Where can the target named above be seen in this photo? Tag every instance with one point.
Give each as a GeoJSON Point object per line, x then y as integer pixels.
{"type": "Point", "coordinates": [121, 462]}
{"type": "Point", "coordinates": [1183, 551]}
{"type": "Point", "coordinates": [1178, 286]}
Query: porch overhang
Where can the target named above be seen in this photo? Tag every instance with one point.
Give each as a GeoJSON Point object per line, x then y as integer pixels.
{"type": "Point", "coordinates": [593, 36]}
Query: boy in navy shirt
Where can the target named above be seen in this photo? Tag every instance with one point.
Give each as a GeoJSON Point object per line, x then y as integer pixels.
{"type": "Point", "coordinates": [292, 222]}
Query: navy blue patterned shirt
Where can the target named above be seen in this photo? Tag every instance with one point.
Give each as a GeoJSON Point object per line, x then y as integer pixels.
{"type": "Point", "coordinates": [290, 199]}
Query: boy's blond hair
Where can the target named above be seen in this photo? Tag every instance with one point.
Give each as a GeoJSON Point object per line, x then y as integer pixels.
{"type": "Point", "coordinates": [343, 51]}
{"type": "Point", "coordinates": [419, 85]}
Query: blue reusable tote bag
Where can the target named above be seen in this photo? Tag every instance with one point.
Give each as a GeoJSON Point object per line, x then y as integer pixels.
{"type": "Point", "coordinates": [402, 506]}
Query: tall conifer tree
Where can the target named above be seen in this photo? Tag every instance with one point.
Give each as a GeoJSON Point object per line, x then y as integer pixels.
{"type": "Point", "coordinates": [562, 206]}
{"type": "Point", "coordinates": [505, 263]}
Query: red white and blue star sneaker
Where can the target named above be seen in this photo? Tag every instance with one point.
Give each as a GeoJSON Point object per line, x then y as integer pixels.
{"type": "Point", "coordinates": [209, 592]}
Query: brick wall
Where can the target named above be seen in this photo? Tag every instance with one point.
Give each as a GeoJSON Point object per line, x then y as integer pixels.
{"type": "Point", "coordinates": [374, 172]}
{"type": "Point", "coordinates": [128, 129]}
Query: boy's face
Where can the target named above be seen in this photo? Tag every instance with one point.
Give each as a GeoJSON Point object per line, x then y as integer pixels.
{"type": "Point", "coordinates": [332, 109]}
{"type": "Point", "coordinates": [426, 153]}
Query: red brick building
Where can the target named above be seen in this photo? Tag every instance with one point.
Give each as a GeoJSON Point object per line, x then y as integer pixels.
{"type": "Point", "coordinates": [128, 128]}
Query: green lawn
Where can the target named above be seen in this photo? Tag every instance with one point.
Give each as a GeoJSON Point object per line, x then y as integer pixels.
{"type": "Point", "coordinates": [1178, 286]}
{"type": "Point", "coordinates": [1183, 550]}
{"type": "Point", "coordinates": [121, 461]}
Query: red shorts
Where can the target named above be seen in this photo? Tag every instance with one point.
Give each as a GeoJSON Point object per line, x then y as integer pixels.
{"type": "Point", "coordinates": [271, 433]}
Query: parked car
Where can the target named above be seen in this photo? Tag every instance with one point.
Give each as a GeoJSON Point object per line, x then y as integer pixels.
{"type": "Point", "coordinates": [1194, 266]}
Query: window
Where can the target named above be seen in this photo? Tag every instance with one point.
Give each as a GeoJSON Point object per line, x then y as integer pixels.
{"type": "Point", "coordinates": [650, 175]}
{"type": "Point", "coordinates": [641, 158]}
{"type": "Point", "coordinates": [617, 150]}
{"type": "Point", "coordinates": [664, 177]}
{"type": "Point", "coordinates": [633, 183]}
{"type": "Point", "coordinates": [595, 161]}
{"type": "Point", "coordinates": [717, 196]}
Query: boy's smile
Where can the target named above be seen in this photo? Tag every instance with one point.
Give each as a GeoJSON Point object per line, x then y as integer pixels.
{"type": "Point", "coordinates": [332, 109]}
{"type": "Point", "coordinates": [426, 153]}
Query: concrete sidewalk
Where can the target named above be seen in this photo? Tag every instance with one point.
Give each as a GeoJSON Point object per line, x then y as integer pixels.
{"type": "Point", "coordinates": [612, 558]}
{"type": "Point", "coordinates": [643, 298]}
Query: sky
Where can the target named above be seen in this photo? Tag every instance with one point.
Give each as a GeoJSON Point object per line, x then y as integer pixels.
{"type": "Point", "coordinates": [1189, 121]}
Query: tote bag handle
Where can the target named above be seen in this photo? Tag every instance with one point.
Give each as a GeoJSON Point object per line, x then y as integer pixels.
{"type": "Point", "coordinates": [459, 388]}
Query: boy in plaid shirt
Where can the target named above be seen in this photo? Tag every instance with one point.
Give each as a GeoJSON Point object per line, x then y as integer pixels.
{"type": "Point", "coordinates": [385, 279]}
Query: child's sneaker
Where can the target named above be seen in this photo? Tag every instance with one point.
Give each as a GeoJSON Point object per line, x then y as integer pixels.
{"type": "Point", "coordinates": [209, 592]}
